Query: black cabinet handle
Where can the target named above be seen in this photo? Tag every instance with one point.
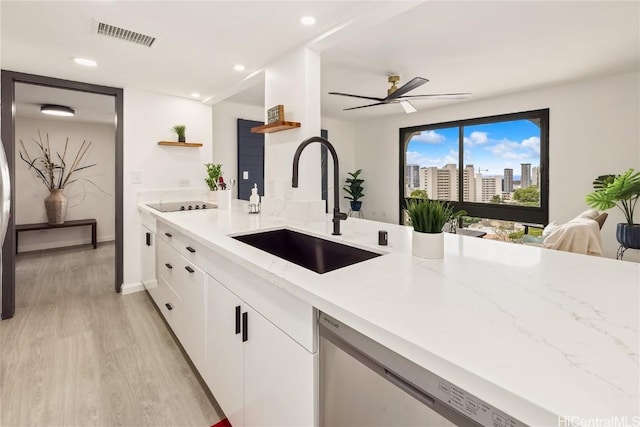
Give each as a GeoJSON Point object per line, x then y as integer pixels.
{"type": "Point", "coordinates": [245, 327]}
{"type": "Point", "coordinates": [190, 249]}
{"type": "Point", "coordinates": [169, 306]}
{"type": "Point", "coordinates": [168, 234]}
{"type": "Point", "coordinates": [189, 269]}
{"type": "Point", "coordinates": [237, 319]}
{"type": "Point", "coordinates": [169, 266]}
{"type": "Point", "coordinates": [148, 239]}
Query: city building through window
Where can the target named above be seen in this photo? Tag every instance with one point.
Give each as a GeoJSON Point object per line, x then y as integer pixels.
{"type": "Point", "coordinates": [492, 167]}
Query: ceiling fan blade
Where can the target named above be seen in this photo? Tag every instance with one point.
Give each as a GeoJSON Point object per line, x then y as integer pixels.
{"type": "Point", "coordinates": [407, 87]}
{"type": "Point", "coordinates": [437, 96]}
{"type": "Point", "coordinates": [364, 106]}
{"type": "Point", "coordinates": [408, 107]}
{"type": "Point", "coordinates": [356, 96]}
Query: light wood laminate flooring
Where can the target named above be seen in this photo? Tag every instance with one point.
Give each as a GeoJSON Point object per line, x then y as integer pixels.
{"type": "Point", "coordinates": [78, 354]}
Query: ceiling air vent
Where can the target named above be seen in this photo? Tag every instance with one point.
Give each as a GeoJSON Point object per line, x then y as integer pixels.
{"type": "Point", "coordinates": [124, 34]}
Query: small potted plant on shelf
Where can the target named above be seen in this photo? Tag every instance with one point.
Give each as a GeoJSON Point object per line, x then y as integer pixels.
{"type": "Point", "coordinates": [180, 131]}
{"type": "Point", "coordinates": [623, 192]}
{"type": "Point", "coordinates": [355, 190]}
{"type": "Point", "coordinates": [428, 218]}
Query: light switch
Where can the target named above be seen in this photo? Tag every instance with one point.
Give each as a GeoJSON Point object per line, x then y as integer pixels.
{"type": "Point", "coordinates": [136, 177]}
{"type": "Point", "coordinates": [245, 174]}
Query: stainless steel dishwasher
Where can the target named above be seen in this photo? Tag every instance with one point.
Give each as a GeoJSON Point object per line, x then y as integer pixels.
{"type": "Point", "coordinates": [363, 383]}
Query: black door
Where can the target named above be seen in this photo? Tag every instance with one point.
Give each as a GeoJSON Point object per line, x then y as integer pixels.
{"type": "Point", "coordinates": [250, 159]}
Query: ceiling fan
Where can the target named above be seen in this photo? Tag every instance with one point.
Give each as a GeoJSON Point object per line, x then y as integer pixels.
{"type": "Point", "coordinates": [396, 94]}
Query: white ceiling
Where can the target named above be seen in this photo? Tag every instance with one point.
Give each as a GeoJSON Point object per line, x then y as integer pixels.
{"type": "Point", "coordinates": [484, 47]}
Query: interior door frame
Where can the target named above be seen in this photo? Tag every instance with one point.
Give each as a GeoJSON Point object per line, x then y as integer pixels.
{"type": "Point", "coordinates": [7, 121]}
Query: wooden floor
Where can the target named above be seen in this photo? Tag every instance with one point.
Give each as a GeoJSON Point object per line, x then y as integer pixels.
{"type": "Point", "coordinates": [78, 354]}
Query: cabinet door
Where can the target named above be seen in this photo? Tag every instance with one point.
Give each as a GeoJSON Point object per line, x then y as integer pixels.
{"type": "Point", "coordinates": [278, 377]}
{"type": "Point", "coordinates": [148, 258]}
{"type": "Point", "coordinates": [224, 351]}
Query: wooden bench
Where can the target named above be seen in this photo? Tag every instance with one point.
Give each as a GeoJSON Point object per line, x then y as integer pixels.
{"type": "Point", "coordinates": [46, 226]}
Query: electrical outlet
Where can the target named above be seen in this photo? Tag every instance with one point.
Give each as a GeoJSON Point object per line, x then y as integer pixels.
{"type": "Point", "coordinates": [245, 174]}
{"type": "Point", "coordinates": [183, 182]}
{"type": "Point", "coordinates": [136, 177]}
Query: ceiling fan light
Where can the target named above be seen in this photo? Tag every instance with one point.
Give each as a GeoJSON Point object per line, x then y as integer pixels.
{"type": "Point", "coordinates": [408, 107]}
{"type": "Point", "coordinates": [57, 110]}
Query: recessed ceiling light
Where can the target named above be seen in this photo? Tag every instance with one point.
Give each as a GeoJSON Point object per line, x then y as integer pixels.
{"type": "Point", "coordinates": [57, 110]}
{"type": "Point", "coordinates": [308, 20]}
{"type": "Point", "coordinates": [238, 67]}
{"type": "Point", "coordinates": [86, 62]}
{"type": "Point", "coordinates": [195, 95]}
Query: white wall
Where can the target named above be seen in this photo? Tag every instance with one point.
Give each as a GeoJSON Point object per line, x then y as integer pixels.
{"type": "Point", "coordinates": [85, 201]}
{"type": "Point", "coordinates": [594, 129]}
{"type": "Point", "coordinates": [225, 142]}
{"type": "Point", "coordinates": [148, 118]}
{"type": "Point", "coordinates": [225, 117]}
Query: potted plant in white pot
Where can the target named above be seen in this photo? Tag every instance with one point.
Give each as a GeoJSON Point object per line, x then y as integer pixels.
{"type": "Point", "coordinates": [428, 218]}
{"type": "Point", "coordinates": [623, 192]}
{"type": "Point", "coordinates": [214, 172]}
{"type": "Point", "coordinates": [355, 190]}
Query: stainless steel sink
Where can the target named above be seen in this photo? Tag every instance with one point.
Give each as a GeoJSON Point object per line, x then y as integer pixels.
{"type": "Point", "coordinates": [310, 252]}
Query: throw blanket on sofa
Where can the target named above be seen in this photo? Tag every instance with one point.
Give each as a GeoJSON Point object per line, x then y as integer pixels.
{"type": "Point", "coordinates": [580, 235]}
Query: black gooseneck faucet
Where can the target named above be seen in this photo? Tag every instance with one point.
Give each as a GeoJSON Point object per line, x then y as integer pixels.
{"type": "Point", "coordinates": [337, 215]}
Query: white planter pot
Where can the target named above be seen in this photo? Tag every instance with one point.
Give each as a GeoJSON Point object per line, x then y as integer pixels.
{"type": "Point", "coordinates": [213, 196]}
{"type": "Point", "coordinates": [428, 245]}
{"type": "Point", "coordinates": [224, 199]}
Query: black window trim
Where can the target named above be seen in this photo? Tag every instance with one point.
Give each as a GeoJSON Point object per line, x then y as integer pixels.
{"type": "Point", "coordinates": [536, 215]}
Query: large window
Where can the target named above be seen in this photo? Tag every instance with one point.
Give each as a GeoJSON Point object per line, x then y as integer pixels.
{"type": "Point", "coordinates": [492, 167]}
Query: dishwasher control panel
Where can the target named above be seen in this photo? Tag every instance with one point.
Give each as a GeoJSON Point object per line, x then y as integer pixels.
{"type": "Point", "coordinates": [451, 401]}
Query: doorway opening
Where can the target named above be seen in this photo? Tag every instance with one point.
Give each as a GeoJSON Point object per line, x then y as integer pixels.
{"type": "Point", "coordinates": [15, 126]}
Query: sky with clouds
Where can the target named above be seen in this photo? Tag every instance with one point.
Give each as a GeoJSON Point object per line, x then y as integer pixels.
{"type": "Point", "coordinates": [493, 146]}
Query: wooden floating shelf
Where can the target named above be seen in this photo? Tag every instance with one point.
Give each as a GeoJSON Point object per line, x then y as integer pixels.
{"type": "Point", "coordinates": [275, 127]}
{"type": "Point", "coordinates": [180, 144]}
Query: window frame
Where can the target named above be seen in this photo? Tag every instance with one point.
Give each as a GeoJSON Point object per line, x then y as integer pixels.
{"type": "Point", "coordinates": [523, 214]}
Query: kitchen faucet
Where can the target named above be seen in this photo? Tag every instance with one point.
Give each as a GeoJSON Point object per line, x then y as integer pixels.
{"type": "Point", "coordinates": [337, 215]}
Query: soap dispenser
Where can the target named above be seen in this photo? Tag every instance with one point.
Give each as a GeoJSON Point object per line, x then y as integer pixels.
{"type": "Point", "coordinates": [254, 200]}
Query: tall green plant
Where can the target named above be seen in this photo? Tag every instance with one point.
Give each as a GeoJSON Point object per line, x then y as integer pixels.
{"type": "Point", "coordinates": [354, 187]}
{"type": "Point", "coordinates": [213, 173]}
{"type": "Point", "coordinates": [430, 216]}
{"type": "Point", "coordinates": [621, 191]}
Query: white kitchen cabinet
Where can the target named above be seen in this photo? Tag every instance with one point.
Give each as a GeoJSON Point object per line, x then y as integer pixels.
{"type": "Point", "coordinates": [186, 281]}
{"type": "Point", "coordinates": [224, 374]}
{"type": "Point", "coordinates": [148, 251]}
{"type": "Point", "coordinates": [258, 374]}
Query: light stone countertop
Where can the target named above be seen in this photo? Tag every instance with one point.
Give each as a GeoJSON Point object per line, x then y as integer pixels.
{"type": "Point", "coordinates": [538, 333]}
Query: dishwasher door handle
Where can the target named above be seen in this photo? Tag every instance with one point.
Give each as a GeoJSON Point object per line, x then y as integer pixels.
{"type": "Point", "coordinates": [409, 388]}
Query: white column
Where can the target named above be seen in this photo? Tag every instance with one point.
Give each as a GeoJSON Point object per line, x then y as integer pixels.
{"type": "Point", "coordinates": [293, 81]}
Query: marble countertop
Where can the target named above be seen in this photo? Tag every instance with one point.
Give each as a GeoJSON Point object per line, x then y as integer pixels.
{"type": "Point", "coordinates": [540, 334]}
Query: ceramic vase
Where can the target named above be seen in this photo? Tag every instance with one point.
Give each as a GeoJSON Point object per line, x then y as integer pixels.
{"type": "Point", "coordinates": [213, 196]}
{"type": "Point", "coordinates": [628, 236]}
{"type": "Point", "coordinates": [428, 245]}
{"type": "Point", "coordinates": [56, 206]}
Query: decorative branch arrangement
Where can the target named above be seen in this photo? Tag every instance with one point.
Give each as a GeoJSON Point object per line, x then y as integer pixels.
{"type": "Point", "coordinates": [55, 173]}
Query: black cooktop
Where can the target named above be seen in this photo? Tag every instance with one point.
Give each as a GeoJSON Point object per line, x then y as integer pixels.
{"type": "Point", "coordinates": [182, 206]}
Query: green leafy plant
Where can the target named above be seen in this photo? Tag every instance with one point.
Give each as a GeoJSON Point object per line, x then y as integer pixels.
{"type": "Point", "coordinates": [53, 170]}
{"type": "Point", "coordinates": [621, 191]}
{"type": "Point", "coordinates": [214, 171]}
{"type": "Point", "coordinates": [354, 187]}
{"type": "Point", "coordinates": [179, 130]}
{"type": "Point", "coordinates": [430, 216]}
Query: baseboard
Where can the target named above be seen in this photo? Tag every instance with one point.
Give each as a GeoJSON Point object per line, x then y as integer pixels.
{"type": "Point", "coordinates": [129, 288]}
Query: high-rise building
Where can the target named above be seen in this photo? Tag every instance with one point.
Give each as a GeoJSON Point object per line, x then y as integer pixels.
{"type": "Point", "coordinates": [490, 186]}
{"type": "Point", "coordinates": [469, 184]}
{"type": "Point", "coordinates": [440, 183]}
{"type": "Point", "coordinates": [508, 181]}
{"type": "Point", "coordinates": [525, 175]}
{"type": "Point", "coordinates": [535, 176]}
{"type": "Point", "coordinates": [413, 177]}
